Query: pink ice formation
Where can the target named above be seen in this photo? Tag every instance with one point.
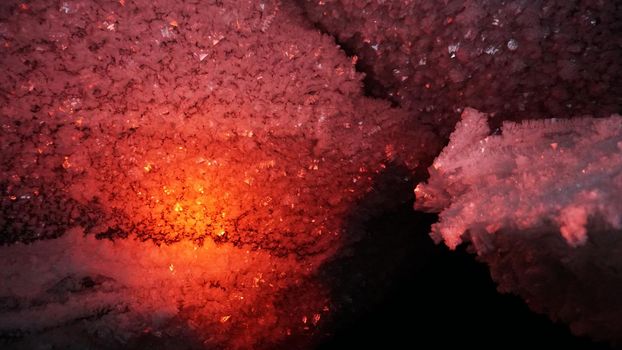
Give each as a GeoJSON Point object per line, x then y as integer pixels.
{"type": "Point", "coordinates": [516, 194]}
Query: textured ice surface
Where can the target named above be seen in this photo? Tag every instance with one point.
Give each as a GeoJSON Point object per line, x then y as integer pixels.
{"type": "Point", "coordinates": [520, 59]}
{"type": "Point", "coordinates": [200, 132]}
{"type": "Point", "coordinates": [540, 202]}
{"type": "Point", "coordinates": [559, 172]}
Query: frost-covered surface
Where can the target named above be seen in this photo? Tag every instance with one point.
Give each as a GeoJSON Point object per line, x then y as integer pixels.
{"type": "Point", "coordinates": [212, 122]}
{"type": "Point", "coordinates": [562, 172]}
{"type": "Point", "coordinates": [540, 202]}
{"type": "Point", "coordinates": [105, 293]}
{"type": "Point", "coordinates": [520, 59]}
{"type": "Point", "coordinates": [122, 117]}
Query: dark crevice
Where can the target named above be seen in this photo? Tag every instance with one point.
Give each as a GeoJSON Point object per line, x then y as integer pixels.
{"type": "Point", "coordinates": [398, 289]}
{"type": "Point", "coordinates": [371, 86]}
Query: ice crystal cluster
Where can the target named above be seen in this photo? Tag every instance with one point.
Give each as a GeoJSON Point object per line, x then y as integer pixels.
{"type": "Point", "coordinates": [540, 202]}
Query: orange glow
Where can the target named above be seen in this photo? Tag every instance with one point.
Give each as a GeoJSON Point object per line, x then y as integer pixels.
{"type": "Point", "coordinates": [188, 197]}
{"type": "Point", "coordinates": [178, 208]}
{"type": "Point", "coordinates": [197, 201]}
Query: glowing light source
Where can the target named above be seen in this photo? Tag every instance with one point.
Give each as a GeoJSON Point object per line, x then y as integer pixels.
{"type": "Point", "coordinates": [66, 163]}
{"type": "Point", "coordinates": [178, 208]}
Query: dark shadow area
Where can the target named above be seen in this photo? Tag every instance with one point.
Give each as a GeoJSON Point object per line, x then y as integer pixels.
{"type": "Point", "coordinates": [394, 288]}
{"type": "Point", "coordinates": [184, 339]}
{"type": "Point", "coordinates": [371, 85]}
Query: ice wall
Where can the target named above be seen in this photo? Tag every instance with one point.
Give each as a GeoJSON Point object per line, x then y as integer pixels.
{"type": "Point", "coordinates": [123, 117]}
{"type": "Point", "coordinates": [229, 124]}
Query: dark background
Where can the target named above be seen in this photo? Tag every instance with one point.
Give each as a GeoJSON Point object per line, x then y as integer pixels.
{"type": "Point", "coordinates": [434, 296]}
{"type": "Point", "coordinates": [395, 288]}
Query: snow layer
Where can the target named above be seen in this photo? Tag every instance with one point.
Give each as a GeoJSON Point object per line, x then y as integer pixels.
{"type": "Point", "coordinates": [108, 292]}
{"type": "Point", "coordinates": [513, 195]}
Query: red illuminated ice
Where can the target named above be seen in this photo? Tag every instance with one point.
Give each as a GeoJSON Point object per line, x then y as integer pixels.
{"type": "Point", "coordinates": [559, 172]}
{"type": "Point", "coordinates": [540, 203]}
